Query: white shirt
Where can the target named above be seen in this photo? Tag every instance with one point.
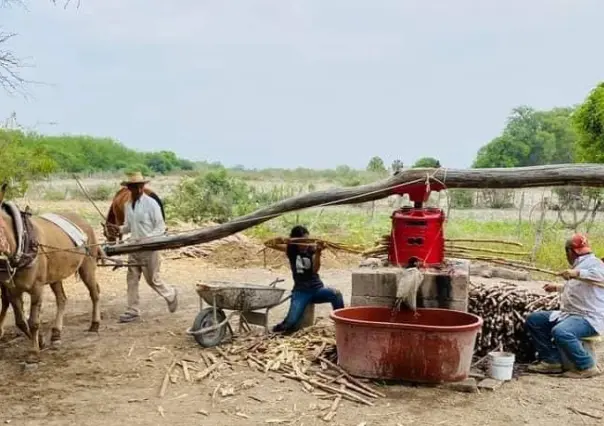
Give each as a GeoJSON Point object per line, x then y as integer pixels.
{"type": "Point", "coordinates": [145, 220]}
{"type": "Point", "coordinates": [581, 298]}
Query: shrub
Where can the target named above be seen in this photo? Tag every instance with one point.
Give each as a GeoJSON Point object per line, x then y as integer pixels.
{"type": "Point", "coordinates": [461, 198]}
{"type": "Point", "coordinates": [211, 196]}
{"type": "Point", "coordinates": [102, 192]}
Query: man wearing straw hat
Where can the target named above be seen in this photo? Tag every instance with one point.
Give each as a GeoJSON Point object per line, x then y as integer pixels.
{"type": "Point", "coordinates": [144, 219]}
{"type": "Point", "coordinates": [581, 314]}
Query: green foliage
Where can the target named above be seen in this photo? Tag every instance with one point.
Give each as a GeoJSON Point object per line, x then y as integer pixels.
{"type": "Point", "coordinates": [376, 165]}
{"type": "Point", "coordinates": [85, 154]}
{"type": "Point", "coordinates": [531, 138]}
{"type": "Point", "coordinates": [102, 192]}
{"type": "Point", "coordinates": [588, 121]}
{"type": "Point", "coordinates": [213, 196]}
{"type": "Point", "coordinates": [427, 162]}
{"type": "Point", "coordinates": [19, 165]}
{"type": "Point", "coordinates": [461, 198]}
{"type": "Point", "coordinates": [396, 165]}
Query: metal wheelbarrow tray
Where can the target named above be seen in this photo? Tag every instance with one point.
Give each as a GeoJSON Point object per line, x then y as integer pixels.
{"type": "Point", "coordinates": [211, 323]}
{"type": "Point", "coordinates": [242, 297]}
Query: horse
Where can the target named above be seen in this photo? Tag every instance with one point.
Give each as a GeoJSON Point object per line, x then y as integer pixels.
{"type": "Point", "coordinates": [117, 215]}
{"type": "Point", "coordinates": [37, 251]}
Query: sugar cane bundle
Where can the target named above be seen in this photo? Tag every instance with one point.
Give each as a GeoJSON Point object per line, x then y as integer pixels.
{"type": "Point", "coordinates": [504, 309]}
{"type": "Point", "coordinates": [350, 248]}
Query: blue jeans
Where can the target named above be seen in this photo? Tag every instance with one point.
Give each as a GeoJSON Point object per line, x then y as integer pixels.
{"type": "Point", "coordinates": [566, 335]}
{"type": "Point", "coordinates": [301, 299]}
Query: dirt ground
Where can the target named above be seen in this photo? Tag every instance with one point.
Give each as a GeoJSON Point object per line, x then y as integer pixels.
{"type": "Point", "coordinates": [113, 378]}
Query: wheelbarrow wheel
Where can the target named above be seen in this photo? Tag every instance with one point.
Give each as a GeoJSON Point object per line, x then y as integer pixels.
{"type": "Point", "coordinates": [204, 319]}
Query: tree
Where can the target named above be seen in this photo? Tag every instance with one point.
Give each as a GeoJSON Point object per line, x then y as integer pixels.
{"type": "Point", "coordinates": [427, 162]}
{"type": "Point", "coordinates": [588, 122]}
{"type": "Point", "coordinates": [10, 64]}
{"type": "Point", "coordinates": [396, 165]}
{"type": "Point", "coordinates": [531, 138]}
{"type": "Point", "coordinates": [20, 165]}
{"type": "Point", "coordinates": [376, 165]}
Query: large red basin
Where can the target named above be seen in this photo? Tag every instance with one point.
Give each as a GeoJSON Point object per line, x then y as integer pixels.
{"type": "Point", "coordinates": [426, 346]}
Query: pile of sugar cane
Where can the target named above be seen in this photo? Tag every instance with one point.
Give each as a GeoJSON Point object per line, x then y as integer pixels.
{"type": "Point", "coordinates": [308, 357]}
{"type": "Point", "coordinates": [504, 309]}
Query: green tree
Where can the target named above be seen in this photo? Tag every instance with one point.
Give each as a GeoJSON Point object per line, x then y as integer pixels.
{"type": "Point", "coordinates": [531, 138]}
{"type": "Point", "coordinates": [427, 162]}
{"type": "Point", "coordinates": [376, 165]}
{"type": "Point", "coordinates": [20, 165]}
{"type": "Point", "coordinates": [588, 122]}
{"type": "Point", "coordinates": [214, 196]}
{"type": "Point", "coordinates": [396, 165]}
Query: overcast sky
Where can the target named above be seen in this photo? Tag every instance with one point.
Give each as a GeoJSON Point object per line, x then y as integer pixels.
{"type": "Point", "coordinates": [312, 83]}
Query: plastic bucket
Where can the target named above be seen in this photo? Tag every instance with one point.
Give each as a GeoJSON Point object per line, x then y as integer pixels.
{"type": "Point", "coordinates": [502, 365]}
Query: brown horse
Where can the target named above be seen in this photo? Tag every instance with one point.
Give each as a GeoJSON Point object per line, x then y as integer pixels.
{"type": "Point", "coordinates": [117, 214]}
{"type": "Point", "coordinates": [53, 258]}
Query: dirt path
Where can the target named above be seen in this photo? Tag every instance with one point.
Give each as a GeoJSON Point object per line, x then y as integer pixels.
{"type": "Point", "coordinates": [113, 378]}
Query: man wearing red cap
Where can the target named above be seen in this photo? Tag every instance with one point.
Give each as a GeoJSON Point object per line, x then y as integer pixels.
{"type": "Point", "coordinates": [581, 314]}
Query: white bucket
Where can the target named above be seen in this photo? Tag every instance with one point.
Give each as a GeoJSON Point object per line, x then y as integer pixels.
{"type": "Point", "coordinates": [502, 365]}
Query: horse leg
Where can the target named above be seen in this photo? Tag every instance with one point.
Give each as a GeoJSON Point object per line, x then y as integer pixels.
{"type": "Point", "coordinates": [37, 341]}
{"type": "Point", "coordinates": [61, 299]}
{"type": "Point", "coordinates": [16, 300]}
{"type": "Point", "coordinates": [88, 274]}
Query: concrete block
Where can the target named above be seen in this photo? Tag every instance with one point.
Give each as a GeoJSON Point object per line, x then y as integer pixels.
{"type": "Point", "coordinates": [380, 282]}
{"type": "Point", "coordinates": [308, 319]}
{"type": "Point", "coordinates": [490, 384]}
{"type": "Point", "coordinates": [372, 301]}
{"type": "Point", "coordinates": [456, 305]}
{"type": "Point", "coordinates": [459, 285]}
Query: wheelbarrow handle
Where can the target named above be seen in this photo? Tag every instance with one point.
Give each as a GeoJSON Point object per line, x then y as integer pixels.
{"type": "Point", "coordinates": [277, 281]}
{"type": "Point", "coordinates": [285, 299]}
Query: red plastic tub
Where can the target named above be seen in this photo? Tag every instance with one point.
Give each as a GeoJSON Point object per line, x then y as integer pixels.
{"type": "Point", "coordinates": [426, 346]}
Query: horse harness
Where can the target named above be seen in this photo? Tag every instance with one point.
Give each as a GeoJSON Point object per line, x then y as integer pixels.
{"type": "Point", "coordinates": [26, 238]}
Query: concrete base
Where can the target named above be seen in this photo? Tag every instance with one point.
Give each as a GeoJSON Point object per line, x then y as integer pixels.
{"type": "Point", "coordinates": [309, 317]}
{"type": "Point", "coordinates": [442, 288]}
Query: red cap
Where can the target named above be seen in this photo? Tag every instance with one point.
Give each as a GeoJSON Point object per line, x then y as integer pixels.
{"type": "Point", "coordinates": [579, 244]}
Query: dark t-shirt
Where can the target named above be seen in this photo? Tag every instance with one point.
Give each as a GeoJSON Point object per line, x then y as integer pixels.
{"type": "Point", "coordinates": [301, 263]}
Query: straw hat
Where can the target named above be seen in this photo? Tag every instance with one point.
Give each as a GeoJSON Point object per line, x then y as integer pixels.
{"type": "Point", "coordinates": [135, 179]}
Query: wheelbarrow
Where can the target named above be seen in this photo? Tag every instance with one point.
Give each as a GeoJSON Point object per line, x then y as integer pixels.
{"type": "Point", "coordinates": [211, 324]}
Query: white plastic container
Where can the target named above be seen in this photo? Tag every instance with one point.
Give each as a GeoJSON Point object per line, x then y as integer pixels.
{"type": "Point", "coordinates": [501, 366]}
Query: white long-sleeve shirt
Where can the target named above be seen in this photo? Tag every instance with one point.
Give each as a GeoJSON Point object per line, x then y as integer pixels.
{"type": "Point", "coordinates": [582, 298]}
{"type": "Point", "coordinates": [145, 220]}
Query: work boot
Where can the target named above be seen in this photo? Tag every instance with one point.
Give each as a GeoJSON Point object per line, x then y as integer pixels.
{"type": "Point", "coordinates": [173, 305]}
{"type": "Point", "coordinates": [545, 368]}
{"type": "Point", "coordinates": [582, 374]}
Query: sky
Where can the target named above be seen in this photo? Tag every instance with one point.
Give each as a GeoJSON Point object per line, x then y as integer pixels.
{"type": "Point", "coordinates": [291, 83]}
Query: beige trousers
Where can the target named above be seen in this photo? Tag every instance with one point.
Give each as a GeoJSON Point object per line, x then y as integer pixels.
{"type": "Point", "coordinates": [150, 271]}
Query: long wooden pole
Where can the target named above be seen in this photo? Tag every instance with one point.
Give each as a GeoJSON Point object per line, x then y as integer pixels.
{"type": "Point", "coordinates": [516, 177]}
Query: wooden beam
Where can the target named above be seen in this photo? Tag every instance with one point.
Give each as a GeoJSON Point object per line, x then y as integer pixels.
{"type": "Point", "coordinates": [519, 177]}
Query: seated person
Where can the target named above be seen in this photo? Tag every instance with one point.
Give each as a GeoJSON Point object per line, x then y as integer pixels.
{"type": "Point", "coordinates": [581, 315]}
{"type": "Point", "coordinates": [305, 261]}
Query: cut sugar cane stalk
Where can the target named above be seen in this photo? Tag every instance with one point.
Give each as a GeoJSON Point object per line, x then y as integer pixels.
{"type": "Point", "coordinates": [480, 240]}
